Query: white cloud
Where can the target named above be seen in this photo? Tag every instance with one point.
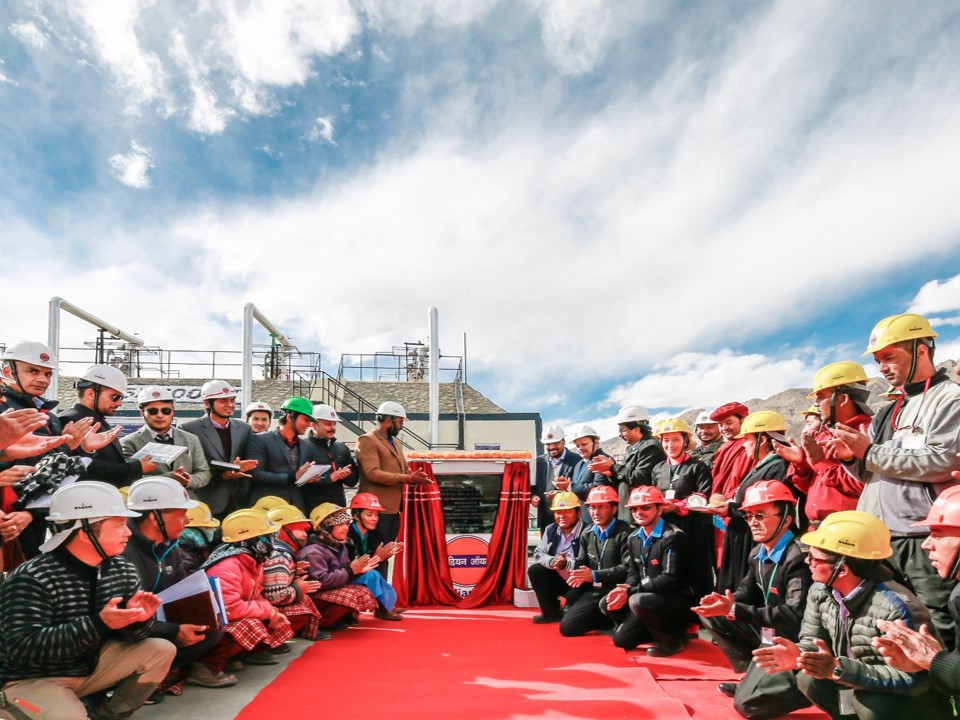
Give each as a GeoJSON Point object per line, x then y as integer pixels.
{"type": "Point", "coordinates": [937, 296]}
{"type": "Point", "coordinates": [132, 168]}
{"type": "Point", "coordinates": [322, 130]}
{"type": "Point", "coordinates": [407, 16]}
{"type": "Point", "coordinates": [206, 117]}
{"type": "Point", "coordinates": [574, 32]}
{"type": "Point", "coordinates": [29, 34]}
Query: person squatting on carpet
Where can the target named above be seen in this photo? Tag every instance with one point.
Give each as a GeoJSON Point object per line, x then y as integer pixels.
{"type": "Point", "coordinates": [555, 557]}
{"type": "Point", "coordinates": [362, 537]}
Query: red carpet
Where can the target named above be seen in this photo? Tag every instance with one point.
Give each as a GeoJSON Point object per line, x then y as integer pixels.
{"type": "Point", "coordinates": [700, 660]}
{"type": "Point", "coordinates": [703, 702]}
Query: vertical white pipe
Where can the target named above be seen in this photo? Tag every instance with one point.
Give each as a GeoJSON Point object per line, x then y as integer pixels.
{"type": "Point", "coordinates": [53, 340]}
{"type": "Point", "coordinates": [434, 379]}
{"type": "Point", "coordinates": [246, 388]}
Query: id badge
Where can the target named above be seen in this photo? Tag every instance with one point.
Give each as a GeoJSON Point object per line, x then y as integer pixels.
{"type": "Point", "coordinates": [669, 495]}
{"type": "Point", "coordinates": [767, 635]}
{"type": "Point", "coordinates": [846, 702]}
{"type": "Point", "coordinates": [914, 441]}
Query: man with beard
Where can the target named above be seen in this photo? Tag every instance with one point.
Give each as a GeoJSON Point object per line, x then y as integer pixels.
{"type": "Point", "coordinates": [321, 447]}
{"type": "Point", "coordinates": [554, 470]}
{"type": "Point", "coordinates": [554, 558]}
{"type": "Point", "coordinates": [709, 437]}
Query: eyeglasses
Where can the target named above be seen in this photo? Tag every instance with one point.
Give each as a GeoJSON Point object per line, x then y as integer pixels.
{"type": "Point", "coordinates": [760, 517]}
{"type": "Point", "coordinates": [814, 560]}
{"type": "Point", "coordinates": [644, 508]}
{"type": "Point", "coordinates": [160, 411]}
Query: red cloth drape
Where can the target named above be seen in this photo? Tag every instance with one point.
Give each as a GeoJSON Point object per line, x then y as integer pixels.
{"type": "Point", "coordinates": [507, 558]}
{"type": "Point", "coordinates": [421, 575]}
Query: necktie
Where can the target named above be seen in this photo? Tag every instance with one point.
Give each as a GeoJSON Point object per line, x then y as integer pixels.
{"type": "Point", "coordinates": [164, 439]}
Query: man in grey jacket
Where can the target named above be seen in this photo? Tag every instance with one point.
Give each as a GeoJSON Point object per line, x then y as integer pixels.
{"type": "Point", "coordinates": [906, 457]}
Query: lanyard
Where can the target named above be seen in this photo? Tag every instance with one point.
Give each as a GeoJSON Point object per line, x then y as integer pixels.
{"type": "Point", "coordinates": [766, 592]}
{"type": "Point", "coordinates": [896, 411]}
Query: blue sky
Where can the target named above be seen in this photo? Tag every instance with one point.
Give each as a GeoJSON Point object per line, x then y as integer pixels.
{"type": "Point", "coordinates": [669, 203]}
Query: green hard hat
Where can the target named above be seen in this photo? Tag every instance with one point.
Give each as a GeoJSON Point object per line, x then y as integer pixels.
{"type": "Point", "coordinates": [298, 404]}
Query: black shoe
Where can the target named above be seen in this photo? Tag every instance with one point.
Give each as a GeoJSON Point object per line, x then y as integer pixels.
{"type": "Point", "coordinates": [665, 650]}
{"type": "Point", "coordinates": [546, 619]}
{"type": "Point", "coordinates": [728, 689]}
{"type": "Point", "coordinates": [155, 699]}
{"type": "Point", "coordinates": [280, 649]}
{"type": "Point", "coordinates": [339, 625]}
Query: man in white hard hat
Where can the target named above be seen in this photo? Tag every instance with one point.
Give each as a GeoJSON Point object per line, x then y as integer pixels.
{"type": "Point", "coordinates": [383, 468]}
{"type": "Point", "coordinates": [224, 440]}
{"type": "Point", "coordinates": [322, 447]}
{"type": "Point", "coordinates": [76, 621]}
{"type": "Point", "coordinates": [158, 411]}
{"type": "Point", "coordinates": [709, 438]}
{"type": "Point", "coordinates": [554, 470]}
{"type": "Point", "coordinates": [587, 474]}
{"type": "Point", "coordinates": [258, 415]}
{"type": "Point", "coordinates": [100, 391]}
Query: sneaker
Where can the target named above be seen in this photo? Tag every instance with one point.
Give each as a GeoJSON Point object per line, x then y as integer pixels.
{"type": "Point", "coordinates": [729, 689]}
{"type": "Point", "coordinates": [261, 658]}
{"type": "Point", "coordinates": [233, 665]}
{"type": "Point", "coordinates": [201, 676]}
{"type": "Point", "coordinates": [545, 619]}
{"type": "Point", "coordinates": [158, 697]}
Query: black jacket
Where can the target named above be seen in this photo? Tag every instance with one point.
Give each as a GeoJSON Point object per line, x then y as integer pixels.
{"type": "Point", "coordinates": [662, 567]}
{"type": "Point", "coordinates": [779, 604]}
{"type": "Point", "coordinates": [607, 559]}
{"type": "Point", "coordinates": [325, 452]}
{"type": "Point", "coordinates": [108, 463]}
{"type": "Point", "coordinates": [158, 567]}
{"type": "Point", "coordinates": [355, 542]}
{"type": "Point", "coordinates": [638, 463]}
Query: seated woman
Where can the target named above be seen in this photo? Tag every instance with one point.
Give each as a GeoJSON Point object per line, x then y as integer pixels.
{"type": "Point", "coordinates": [199, 537]}
{"type": "Point", "coordinates": [284, 583]}
{"type": "Point", "coordinates": [362, 538]}
{"type": "Point", "coordinates": [255, 625]}
{"type": "Point", "coordinates": [346, 585]}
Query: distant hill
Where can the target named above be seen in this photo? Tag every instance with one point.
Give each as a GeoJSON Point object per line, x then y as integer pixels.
{"type": "Point", "coordinates": [789, 403]}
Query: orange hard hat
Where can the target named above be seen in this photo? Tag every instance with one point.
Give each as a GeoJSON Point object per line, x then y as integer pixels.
{"type": "Point", "coordinates": [646, 495]}
{"type": "Point", "coordinates": [600, 495]}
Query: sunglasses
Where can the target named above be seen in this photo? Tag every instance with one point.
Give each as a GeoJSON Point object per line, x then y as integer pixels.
{"type": "Point", "coordinates": [759, 517]}
{"type": "Point", "coordinates": [159, 411]}
{"type": "Point", "coordinates": [115, 397]}
{"type": "Point", "coordinates": [813, 560]}
{"type": "Point", "coordinates": [644, 508]}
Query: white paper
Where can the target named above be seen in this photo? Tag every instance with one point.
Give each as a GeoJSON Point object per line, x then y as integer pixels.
{"type": "Point", "coordinates": [218, 594]}
{"type": "Point", "coordinates": [160, 453]}
{"type": "Point", "coordinates": [190, 585]}
{"type": "Point", "coordinates": [43, 502]}
{"type": "Point", "coordinates": [312, 472]}
{"type": "Point", "coordinates": [224, 465]}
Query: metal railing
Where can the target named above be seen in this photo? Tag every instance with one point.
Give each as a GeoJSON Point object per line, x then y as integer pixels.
{"type": "Point", "coordinates": [407, 364]}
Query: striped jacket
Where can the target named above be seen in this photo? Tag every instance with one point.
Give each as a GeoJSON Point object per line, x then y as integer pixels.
{"type": "Point", "coordinates": [50, 615]}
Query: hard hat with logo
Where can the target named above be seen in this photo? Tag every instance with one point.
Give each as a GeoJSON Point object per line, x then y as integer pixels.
{"type": "Point", "coordinates": [159, 493]}
{"type": "Point", "coordinates": [704, 419]}
{"type": "Point", "coordinates": [812, 410]}
{"type": "Point", "coordinates": [632, 413]}
{"type": "Point", "coordinates": [83, 501]}
{"type": "Point", "coordinates": [766, 491]}
{"type": "Point", "coordinates": [325, 412]}
{"type": "Point", "coordinates": [287, 515]}
{"type": "Point", "coordinates": [153, 393]}
{"type": "Point", "coordinates": [585, 431]}
{"type": "Point", "coordinates": [321, 511]}
{"type": "Point", "coordinates": [269, 502]}
{"type": "Point", "coordinates": [851, 533]}
{"type": "Point", "coordinates": [391, 408]}
{"type": "Point", "coordinates": [248, 523]}
{"type": "Point", "coordinates": [673, 425]}
{"type": "Point", "coordinates": [298, 405]}
{"type": "Point", "coordinates": [898, 328]}
{"type": "Point", "coordinates": [646, 495]}
{"type": "Point", "coordinates": [552, 434]}
{"type": "Point", "coordinates": [600, 495]}
{"type": "Point", "coordinates": [217, 389]}
{"type": "Point", "coordinates": [763, 421]}
{"type": "Point", "coordinates": [105, 376]}
{"type": "Point", "coordinates": [835, 374]}
{"type": "Point", "coordinates": [201, 516]}
{"type": "Point", "coordinates": [565, 500]}
{"type": "Point", "coordinates": [945, 511]}
{"type": "Point", "coordinates": [35, 353]}
{"type": "Point", "coordinates": [366, 501]}
{"type": "Point", "coordinates": [257, 406]}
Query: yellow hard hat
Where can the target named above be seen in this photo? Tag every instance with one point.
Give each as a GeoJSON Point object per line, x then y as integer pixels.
{"type": "Point", "coordinates": [812, 410]}
{"type": "Point", "coordinates": [898, 328]}
{"type": "Point", "coordinates": [851, 533]}
{"type": "Point", "coordinates": [565, 500]}
{"type": "Point", "coordinates": [672, 425]}
{"type": "Point", "coordinates": [124, 491]}
{"type": "Point", "coordinates": [269, 502]}
{"type": "Point", "coordinates": [201, 516]}
{"type": "Point", "coordinates": [763, 421]}
{"type": "Point", "coordinates": [247, 523]}
{"type": "Point", "coordinates": [321, 511]}
{"type": "Point", "coordinates": [835, 374]}
{"type": "Point", "coordinates": [286, 515]}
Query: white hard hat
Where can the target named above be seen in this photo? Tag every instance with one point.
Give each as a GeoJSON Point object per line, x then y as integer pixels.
{"type": "Point", "coordinates": [585, 431]}
{"type": "Point", "coordinates": [325, 412]}
{"type": "Point", "coordinates": [159, 493]}
{"type": "Point", "coordinates": [105, 375]}
{"type": "Point", "coordinates": [153, 393]}
{"type": "Point", "coordinates": [35, 353]}
{"type": "Point", "coordinates": [552, 434]}
{"type": "Point", "coordinates": [391, 408]}
{"type": "Point", "coordinates": [258, 406]}
{"type": "Point", "coordinates": [215, 389]}
{"type": "Point", "coordinates": [632, 413]}
{"type": "Point", "coordinates": [704, 419]}
{"type": "Point", "coordinates": [90, 500]}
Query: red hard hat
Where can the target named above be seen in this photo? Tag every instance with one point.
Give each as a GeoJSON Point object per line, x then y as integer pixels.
{"type": "Point", "coordinates": [731, 408]}
{"type": "Point", "coordinates": [945, 511]}
{"type": "Point", "coordinates": [646, 495]}
{"type": "Point", "coordinates": [366, 501]}
{"type": "Point", "coordinates": [766, 491]}
{"type": "Point", "coordinates": [601, 494]}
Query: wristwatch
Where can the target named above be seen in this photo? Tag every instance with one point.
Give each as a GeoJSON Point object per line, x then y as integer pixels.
{"type": "Point", "coordinates": [837, 672]}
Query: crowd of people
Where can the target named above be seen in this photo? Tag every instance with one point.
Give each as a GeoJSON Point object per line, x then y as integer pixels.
{"type": "Point", "coordinates": [823, 567]}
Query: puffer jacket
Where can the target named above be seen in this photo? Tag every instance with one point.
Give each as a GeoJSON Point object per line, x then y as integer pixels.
{"type": "Point", "coordinates": [865, 667]}
{"type": "Point", "coordinates": [241, 580]}
{"type": "Point", "coordinates": [328, 565]}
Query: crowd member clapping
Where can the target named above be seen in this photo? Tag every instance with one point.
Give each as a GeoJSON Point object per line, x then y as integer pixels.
{"type": "Point", "coordinates": [554, 558]}
{"type": "Point", "coordinates": [364, 539]}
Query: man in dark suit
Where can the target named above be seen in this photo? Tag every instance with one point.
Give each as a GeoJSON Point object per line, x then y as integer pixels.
{"type": "Point", "coordinates": [322, 447]}
{"type": "Point", "coordinates": [100, 391]}
{"type": "Point", "coordinates": [156, 407]}
{"type": "Point", "coordinates": [554, 470]}
{"type": "Point", "coordinates": [224, 440]}
{"type": "Point", "coordinates": [278, 454]}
